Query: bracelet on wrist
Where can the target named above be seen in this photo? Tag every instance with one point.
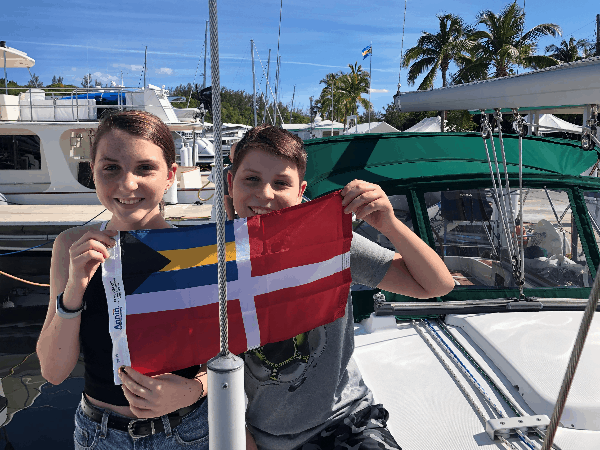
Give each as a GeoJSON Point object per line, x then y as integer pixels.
{"type": "Point", "coordinates": [64, 312]}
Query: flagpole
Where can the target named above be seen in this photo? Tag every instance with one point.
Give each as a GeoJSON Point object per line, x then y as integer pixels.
{"type": "Point", "coordinates": [370, 77]}
{"type": "Point", "coordinates": [226, 402]}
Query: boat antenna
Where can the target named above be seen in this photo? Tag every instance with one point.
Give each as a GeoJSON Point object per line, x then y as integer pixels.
{"type": "Point", "coordinates": [402, 48]}
{"type": "Point", "coordinates": [145, 65]}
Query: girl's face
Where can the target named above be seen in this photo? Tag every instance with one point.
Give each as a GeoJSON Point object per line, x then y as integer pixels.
{"type": "Point", "coordinates": [131, 176]}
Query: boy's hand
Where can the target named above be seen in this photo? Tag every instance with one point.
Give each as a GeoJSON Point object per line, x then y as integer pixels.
{"type": "Point", "coordinates": [369, 203]}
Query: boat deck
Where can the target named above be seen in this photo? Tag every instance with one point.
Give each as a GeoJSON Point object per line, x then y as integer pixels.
{"type": "Point", "coordinates": [72, 215]}
{"type": "Point", "coordinates": [427, 408]}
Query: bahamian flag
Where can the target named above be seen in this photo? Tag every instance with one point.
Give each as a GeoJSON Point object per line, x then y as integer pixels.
{"type": "Point", "coordinates": [288, 272]}
{"type": "Point", "coordinates": [367, 51]}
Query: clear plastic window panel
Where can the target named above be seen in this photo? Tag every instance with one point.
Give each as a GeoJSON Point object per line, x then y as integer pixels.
{"type": "Point", "coordinates": [400, 205]}
{"type": "Point", "coordinates": [592, 202]}
{"type": "Point", "coordinates": [20, 152]}
{"type": "Point", "coordinates": [468, 227]}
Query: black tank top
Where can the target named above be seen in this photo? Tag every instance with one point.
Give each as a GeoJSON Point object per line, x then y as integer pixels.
{"type": "Point", "coordinates": [96, 347]}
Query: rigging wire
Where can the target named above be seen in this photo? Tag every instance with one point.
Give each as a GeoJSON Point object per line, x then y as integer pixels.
{"type": "Point", "coordinates": [402, 47]}
{"type": "Point", "coordinates": [269, 84]}
{"type": "Point", "coordinates": [195, 73]}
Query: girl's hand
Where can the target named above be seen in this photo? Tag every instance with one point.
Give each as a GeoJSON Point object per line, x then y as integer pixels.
{"type": "Point", "coordinates": [158, 395]}
{"type": "Point", "coordinates": [369, 203]}
{"type": "Point", "coordinates": [86, 254]}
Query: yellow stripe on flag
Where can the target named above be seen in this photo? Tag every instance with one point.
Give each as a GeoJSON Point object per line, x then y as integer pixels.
{"type": "Point", "coordinates": [194, 257]}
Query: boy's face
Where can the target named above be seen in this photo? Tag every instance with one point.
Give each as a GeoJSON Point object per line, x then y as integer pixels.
{"type": "Point", "coordinates": [264, 183]}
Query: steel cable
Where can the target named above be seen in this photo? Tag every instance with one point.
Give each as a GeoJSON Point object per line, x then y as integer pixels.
{"type": "Point", "coordinates": [218, 203]}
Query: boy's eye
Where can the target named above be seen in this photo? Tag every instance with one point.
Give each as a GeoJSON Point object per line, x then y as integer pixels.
{"type": "Point", "coordinates": [146, 167]}
{"type": "Point", "coordinates": [283, 183]}
{"type": "Point", "coordinates": [111, 167]}
{"type": "Point", "coordinates": [252, 178]}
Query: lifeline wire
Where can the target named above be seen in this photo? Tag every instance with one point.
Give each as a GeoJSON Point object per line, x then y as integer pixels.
{"type": "Point", "coordinates": [218, 203]}
{"type": "Point", "coordinates": [584, 327]}
{"type": "Point", "coordinates": [473, 380]}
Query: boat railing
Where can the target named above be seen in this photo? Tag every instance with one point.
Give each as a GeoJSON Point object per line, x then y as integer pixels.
{"type": "Point", "coordinates": [79, 104]}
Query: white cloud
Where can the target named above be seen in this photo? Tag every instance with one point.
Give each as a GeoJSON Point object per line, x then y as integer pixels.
{"type": "Point", "coordinates": [131, 67]}
{"type": "Point", "coordinates": [379, 90]}
{"type": "Point", "coordinates": [103, 77]}
{"type": "Point", "coordinates": [73, 69]}
{"type": "Point", "coordinates": [164, 71]}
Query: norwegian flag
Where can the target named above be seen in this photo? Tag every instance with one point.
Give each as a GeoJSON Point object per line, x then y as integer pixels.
{"type": "Point", "coordinates": [287, 273]}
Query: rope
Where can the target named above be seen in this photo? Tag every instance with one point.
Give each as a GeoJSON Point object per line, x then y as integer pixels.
{"type": "Point", "coordinates": [27, 249]}
{"type": "Point", "coordinates": [455, 377]}
{"type": "Point", "coordinates": [502, 392]}
{"type": "Point", "coordinates": [21, 279]}
{"type": "Point", "coordinates": [219, 202]}
{"type": "Point", "coordinates": [584, 328]}
{"type": "Point", "coordinates": [434, 334]}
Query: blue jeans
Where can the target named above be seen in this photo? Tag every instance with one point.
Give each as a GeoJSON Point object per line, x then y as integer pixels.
{"type": "Point", "coordinates": [190, 434]}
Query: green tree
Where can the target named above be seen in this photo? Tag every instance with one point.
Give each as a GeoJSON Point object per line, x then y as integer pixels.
{"type": "Point", "coordinates": [351, 86]}
{"type": "Point", "coordinates": [435, 52]}
{"type": "Point", "coordinates": [324, 102]}
{"type": "Point", "coordinates": [569, 51]}
{"type": "Point", "coordinates": [34, 82]}
{"type": "Point", "coordinates": [504, 45]}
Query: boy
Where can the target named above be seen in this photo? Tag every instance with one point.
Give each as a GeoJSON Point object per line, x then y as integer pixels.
{"type": "Point", "coordinates": [307, 393]}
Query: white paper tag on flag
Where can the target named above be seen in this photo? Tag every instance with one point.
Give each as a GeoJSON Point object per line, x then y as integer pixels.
{"type": "Point", "coordinates": [115, 299]}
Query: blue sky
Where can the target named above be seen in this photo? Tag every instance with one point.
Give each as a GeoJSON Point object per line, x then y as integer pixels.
{"type": "Point", "coordinates": [73, 37]}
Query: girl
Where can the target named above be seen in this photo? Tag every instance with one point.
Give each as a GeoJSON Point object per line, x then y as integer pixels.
{"type": "Point", "coordinates": [133, 164]}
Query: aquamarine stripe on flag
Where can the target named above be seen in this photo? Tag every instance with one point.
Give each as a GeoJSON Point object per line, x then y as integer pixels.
{"type": "Point", "coordinates": [367, 51]}
{"type": "Point", "coordinates": [189, 237]}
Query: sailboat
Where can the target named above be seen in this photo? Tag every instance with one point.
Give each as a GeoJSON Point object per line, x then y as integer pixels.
{"type": "Point", "coordinates": [481, 368]}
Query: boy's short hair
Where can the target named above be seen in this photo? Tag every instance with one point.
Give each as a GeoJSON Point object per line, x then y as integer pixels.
{"type": "Point", "coordinates": [275, 141]}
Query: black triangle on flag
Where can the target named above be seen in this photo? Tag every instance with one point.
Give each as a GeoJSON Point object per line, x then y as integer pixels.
{"type": "Point", "coordinates": [138, 261]}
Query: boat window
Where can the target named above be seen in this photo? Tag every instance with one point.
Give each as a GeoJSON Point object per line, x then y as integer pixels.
{"type": "Point", "coordinates": [592, 201]}
{"type": "Point", "coordinates": [469, 237]}
{"type": "Point", "coordinates": [400, 205]}
{"type": "Point", "coordinates": [20, 152]}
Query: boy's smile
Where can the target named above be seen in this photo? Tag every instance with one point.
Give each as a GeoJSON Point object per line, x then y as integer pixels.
{"type": "Point", "coordinates": [264, 183]}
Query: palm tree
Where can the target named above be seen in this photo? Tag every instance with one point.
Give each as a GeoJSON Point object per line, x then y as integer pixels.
{"type": "Point", "coordinates": [504, 44]}
{"type": "Point", "coordinates": [568, 52]}
{"type": "Point", "coordinates": [323, 103]}
{"type": "Point", "coordinates": [434, 52]}
{"type": "Point", "coordinates": [351, 86]}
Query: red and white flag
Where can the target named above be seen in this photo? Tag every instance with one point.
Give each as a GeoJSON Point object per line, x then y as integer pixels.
{"type": "Point", "coordinates": [288, 272]}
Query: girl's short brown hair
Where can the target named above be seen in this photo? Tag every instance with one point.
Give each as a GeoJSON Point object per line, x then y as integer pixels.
{"type": "Point", "coordinates": [273, 140]}
{"type": "Point", "coordinates": [140, 124]}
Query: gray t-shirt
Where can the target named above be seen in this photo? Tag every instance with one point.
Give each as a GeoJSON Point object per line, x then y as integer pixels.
{"type": "Point", "coordinates": [298, 387]}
